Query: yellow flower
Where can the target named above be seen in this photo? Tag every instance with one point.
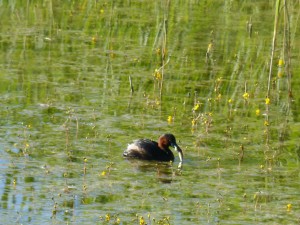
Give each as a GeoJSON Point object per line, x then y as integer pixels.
{"type": "Point", "coordinates": [107, 217]}
{"type": "Point", "coordinates": [266, 123]}
{"type": "Point", "coordinates": [280, 62]}
{"type": "Point", "coordinates": [257, 112]}
{"type": "Point", "coordinates": [280, 73]}
{"type": "Point", "coordinates": [289, 207]}
{"type": "Point", "coordinates": [170, 119]}
{"type": "Point", "coordinates": [142, 221]}
{"type": "Point", "coordinates": [268, 101]}
{"type": "Point", "coordinates": [103, 173]}
{"type": "Point", "coordinates": [230, 101]}
{"type": "Point", "coordinates": [157, 74]}
{"type": "Point", "coordinates": [246, 95]}
{"type": "Point", "coordinates": [196, 107]}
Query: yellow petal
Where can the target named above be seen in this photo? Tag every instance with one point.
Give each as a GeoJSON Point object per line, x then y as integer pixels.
{"type": "Point", "coordinates": [246, 95]}
{"type": "Point", "coordinates": [257, 112]}
{"type": "Point", "coordinates": [280, 62]}
{"type": "Point", "coordinates": [289, 207]}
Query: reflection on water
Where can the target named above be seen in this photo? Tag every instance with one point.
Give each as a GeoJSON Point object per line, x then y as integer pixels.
{"type": "Point", "coordinates": [165, 171]}
{"type": "Point", "coordinates": [79, 81]}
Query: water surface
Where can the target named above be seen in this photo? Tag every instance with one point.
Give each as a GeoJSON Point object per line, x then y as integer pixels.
{"type": "Point", "coordinates": [80, 80]}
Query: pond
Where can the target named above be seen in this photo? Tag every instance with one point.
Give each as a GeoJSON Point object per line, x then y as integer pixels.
{"type": "Point", "coordinates": [80, 80]}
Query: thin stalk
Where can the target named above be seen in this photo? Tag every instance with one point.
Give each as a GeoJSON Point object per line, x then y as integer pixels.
{"type": "Point", "coordinates": [273, 46]}
{"type": "Point", "coordinates": [131, 85]}
{"type": "Point", "coordinates": [271, 66]}
{"type": "Point", "coordinates": [164, 47]}
{"type": "Point", "coordinates": [287, 50]}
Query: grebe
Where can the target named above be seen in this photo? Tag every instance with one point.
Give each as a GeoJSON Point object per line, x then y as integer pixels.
{"type": "Point", "coordinates": [151, 150]}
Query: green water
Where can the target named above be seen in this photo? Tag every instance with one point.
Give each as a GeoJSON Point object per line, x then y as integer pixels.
{"type": "Point", "coordinates": [82, 79]}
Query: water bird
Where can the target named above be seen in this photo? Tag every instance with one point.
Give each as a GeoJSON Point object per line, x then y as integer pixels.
{"type": "Point", "coordinates": [147, 149]}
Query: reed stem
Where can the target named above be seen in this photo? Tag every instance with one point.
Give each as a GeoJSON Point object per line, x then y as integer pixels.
{"type": "Point", "coordinates": [271, 68]}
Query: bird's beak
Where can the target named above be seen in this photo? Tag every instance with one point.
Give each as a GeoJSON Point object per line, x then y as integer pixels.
{"type": "Point", "coordinates": [180, 154]}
